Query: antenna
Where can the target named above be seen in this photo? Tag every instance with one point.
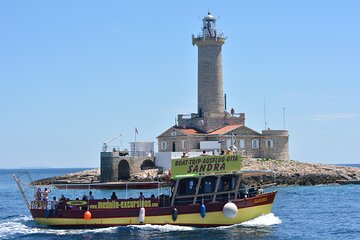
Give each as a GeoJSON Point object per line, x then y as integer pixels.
{"type": "Point", "coordinates": [265, 120]}
{"type": "Point", "coordinates": [110, 140]}
{"type": "Point", "coordinates": [283, 117]}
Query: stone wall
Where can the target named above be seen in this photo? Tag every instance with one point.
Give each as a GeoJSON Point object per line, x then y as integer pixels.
{"type": "Point", "coordinates": [280, 144]}
{"type": "Point", "coordinates": [110, 163]}
{"type": "Point", "coordinates": [212, 123]}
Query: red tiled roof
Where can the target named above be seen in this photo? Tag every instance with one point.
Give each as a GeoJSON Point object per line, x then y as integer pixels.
{"type": "Point", "coordinates": [190, 131]}
{"type": "Point", "coordinates": [225, 129]}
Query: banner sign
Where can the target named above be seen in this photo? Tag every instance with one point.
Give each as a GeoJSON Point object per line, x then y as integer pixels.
{"type": "Point", "coordinates": [205, 165]}
{"type": "Point", "coordinates": [76, 203]}
{"type": "Point", "coordinates": [135, 203]}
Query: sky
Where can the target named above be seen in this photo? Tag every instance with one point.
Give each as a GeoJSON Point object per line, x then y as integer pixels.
{"type": "Point", "coordinates": [73, 74]}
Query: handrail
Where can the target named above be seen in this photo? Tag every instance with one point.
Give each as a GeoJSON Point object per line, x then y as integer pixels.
{"type": "Point", "coordinates": [204, 194]}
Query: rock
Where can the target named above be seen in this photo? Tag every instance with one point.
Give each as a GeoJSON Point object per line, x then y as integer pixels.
{"type": "Point", "coordinates": [284, 173]}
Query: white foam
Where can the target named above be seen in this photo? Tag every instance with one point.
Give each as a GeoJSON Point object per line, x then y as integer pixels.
{"type": "Point", "coordinates": [264, 220]}
{"type": "Point", "coordinates": [162, 228]}
{"type": "Point", "coordinates": [21, 226]}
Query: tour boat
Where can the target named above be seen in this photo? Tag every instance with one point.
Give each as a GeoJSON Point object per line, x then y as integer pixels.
{"type": "Point", "coordinates": [205, 191]}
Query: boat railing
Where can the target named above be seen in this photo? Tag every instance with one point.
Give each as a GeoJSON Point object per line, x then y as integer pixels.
{"type": "Point", "coordinates": [38, 204]}
{"type": "Point", "coordinates": [117, 152]}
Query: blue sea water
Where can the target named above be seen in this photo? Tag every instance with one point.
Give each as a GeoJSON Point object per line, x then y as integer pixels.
{"type": "Point", "coordinates": [311, 212]}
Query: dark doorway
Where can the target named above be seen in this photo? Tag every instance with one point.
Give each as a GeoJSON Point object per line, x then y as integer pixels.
{"type": "Point", "coordinates": [147, 164]}
{"type": "Point", "coordinates": [123, 170]}
{"type": "Point", "coordinates": [173, 146]}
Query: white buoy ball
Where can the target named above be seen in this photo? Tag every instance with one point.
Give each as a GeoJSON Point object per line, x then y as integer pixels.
{"type": "Point", "coordinates": [230, 210]}
{"type": "Point", "coordinates": [142, 215]}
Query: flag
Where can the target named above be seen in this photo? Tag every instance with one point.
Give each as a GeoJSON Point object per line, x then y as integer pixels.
{"type": "Point", "coordinates": [136, 131]}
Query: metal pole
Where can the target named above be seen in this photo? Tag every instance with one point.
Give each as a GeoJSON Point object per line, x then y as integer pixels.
{"type": "Point", "coordinates": [17, 180]}
{"type": "Point", "coordinates": [265, 121]}
{"type": "Point", "coordinates": [284, 117]}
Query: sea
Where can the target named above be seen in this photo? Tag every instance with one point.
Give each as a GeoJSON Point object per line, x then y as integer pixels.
{"type": "Point", "coordinates": [299, 212]}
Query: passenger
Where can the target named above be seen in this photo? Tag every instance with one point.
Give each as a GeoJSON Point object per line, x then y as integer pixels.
{"type": "Point", "coordinates": [62, 198]}
{"type": "Point", "coordinates": [141, 196]}
{"type": "Point", "coordinates": [38, 198]}
{"type": "Point", "coordinates": [38, 195]}
{"type": "Point", "coordinates": [54, 205]}
{"type": "Point", "coordinates": [46, 194]}
{"type": "Point", "coordinates": [113, 196]}
{"type": "Point", "coordinates": [152, 196]}
{"type": "Point", "coordinates": [204, 153]}
{"type": "Point", "coordinates": [84, 197]}
{"type": "Point", "coordinates": [185, 155]}
{"type": "Point", "coordinates": [62, 201]}
{"type": "Point", "coordinates": [91, 197]}
{"type": "Point", "coordinates": [228, 152]}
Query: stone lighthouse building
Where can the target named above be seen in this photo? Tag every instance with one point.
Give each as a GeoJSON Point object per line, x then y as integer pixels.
{"type": "Point", "coordinates": [210, 79]}
{"type": "Point", "coordinates": [212, 128]}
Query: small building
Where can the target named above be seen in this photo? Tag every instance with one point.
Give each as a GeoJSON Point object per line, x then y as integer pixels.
{"type": "Point", "coordinates": [271, 144]}
{"type": "Point", "coordinates": [116, 165]}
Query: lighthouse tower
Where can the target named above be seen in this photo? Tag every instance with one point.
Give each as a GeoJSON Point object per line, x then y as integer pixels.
{"type": "Point", "coordinates": [211, 114]}
{"type": "Point", "coordinates": [210, 79]}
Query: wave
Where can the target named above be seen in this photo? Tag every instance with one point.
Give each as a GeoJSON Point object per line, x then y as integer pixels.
{"type": "Point", "coordinates": [162, 228]}
{"type": "Point", "coordinates": [264, 220]}
{"type": "Point", "coordinates": [24, 225]}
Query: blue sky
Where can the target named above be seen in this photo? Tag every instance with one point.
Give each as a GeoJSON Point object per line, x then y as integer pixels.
{"type": "Point", "coordinates": [75, 73]}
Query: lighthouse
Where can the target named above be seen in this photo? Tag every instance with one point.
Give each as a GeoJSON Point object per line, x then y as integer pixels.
{"type": "Point", "coordinates": [211, 113]}
{"type": "Point", "coordinates": [211, 128]}
{"type": "Point", "coordinates": [211, 101]}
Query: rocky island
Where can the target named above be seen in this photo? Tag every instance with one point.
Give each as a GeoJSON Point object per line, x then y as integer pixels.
{"type": "Point", "coordinates": [283, 173]}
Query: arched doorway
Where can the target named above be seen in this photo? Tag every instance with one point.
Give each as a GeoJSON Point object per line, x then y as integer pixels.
{"type": "Point", "coordinates": [147, 164]}
{"type": "Point", "coordinates": [123, 170]}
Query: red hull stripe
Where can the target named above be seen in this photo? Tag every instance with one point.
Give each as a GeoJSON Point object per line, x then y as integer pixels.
{"type": "Point", "coordinates": [262, 199]}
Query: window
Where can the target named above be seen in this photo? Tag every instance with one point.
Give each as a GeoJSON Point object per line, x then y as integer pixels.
{"type": "Point", "coordinates": [173, 133]}
{"type": "Point", "coordinates": [187, 186]}
{"type": "Point", "coordinates": [255, 143]}
{"type": "Point", "coordinates": [269, 143]}
{"type": "Point", "coordinates": [208, 185]}
{"type": "Point", "coordinates": [242, 143]}
{"type": "Point", "coordinates": [183, 144]}
{"type": "Point", "coordinates": [163, 145]}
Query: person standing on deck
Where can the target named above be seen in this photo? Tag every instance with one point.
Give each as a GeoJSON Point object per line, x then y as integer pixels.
{"type": "Point", "coordinates": [90, 197]}
{"type": "Point", "coordinates": [46, 194]}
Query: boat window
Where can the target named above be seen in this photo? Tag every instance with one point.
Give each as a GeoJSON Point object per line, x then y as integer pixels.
{"type": "Point", "coordinates": [187, 186]}
{"type": "Point", "coordinates": [208, 185]}
{"type": "Point", "coordinates": [227, 183]}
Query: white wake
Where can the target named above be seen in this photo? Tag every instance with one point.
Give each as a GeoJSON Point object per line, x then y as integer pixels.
{"type": "Point", "coordinates": [24, 225]}
{"type": "Point", "coordinates": [162, 228]}
{"type": "Point", "coordinates": [264, 220]}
